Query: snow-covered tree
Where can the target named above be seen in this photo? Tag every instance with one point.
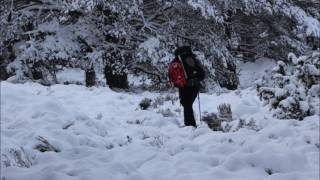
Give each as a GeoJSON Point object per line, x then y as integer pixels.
{"type": "Point", "coordinates": [293, 88]}
{"type": "Point", "coordinates": [117, 38]}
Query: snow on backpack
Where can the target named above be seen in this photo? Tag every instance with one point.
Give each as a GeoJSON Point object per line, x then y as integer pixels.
{"type": "Point", "coordinates": [177, 73]}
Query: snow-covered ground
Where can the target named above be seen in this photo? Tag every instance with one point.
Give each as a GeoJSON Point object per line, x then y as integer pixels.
{"type": "Point", "coordinates": [72, 76]}
{"type": "Point", "coordinates": [101, 134]}
{"type": "Point", "coordinates": [253, 71]}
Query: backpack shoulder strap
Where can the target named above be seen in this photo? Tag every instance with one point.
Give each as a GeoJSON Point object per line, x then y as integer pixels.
{"type": "Point", "coordinates": [184, 70]}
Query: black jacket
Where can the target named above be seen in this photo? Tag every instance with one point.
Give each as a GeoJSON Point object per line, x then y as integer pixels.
{"type": "Point", "coordinates": [193, 71]}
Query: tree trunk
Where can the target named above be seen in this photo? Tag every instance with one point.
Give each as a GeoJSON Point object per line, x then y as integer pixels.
{"type": "Point", "coordinates": [116, 80]}
{"type": "Point", "coordinates": [90, 77]}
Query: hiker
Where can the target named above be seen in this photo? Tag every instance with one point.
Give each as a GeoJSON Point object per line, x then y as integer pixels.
{"type": "Point", "coordinates": [185, 73]}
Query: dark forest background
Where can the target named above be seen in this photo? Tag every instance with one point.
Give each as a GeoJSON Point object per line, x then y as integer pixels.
{"type": "Point", "coordinates": [117, 38]}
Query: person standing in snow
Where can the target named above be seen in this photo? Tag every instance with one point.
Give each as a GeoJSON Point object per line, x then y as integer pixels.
{"type": "Point", "coordinates": [185, 73]}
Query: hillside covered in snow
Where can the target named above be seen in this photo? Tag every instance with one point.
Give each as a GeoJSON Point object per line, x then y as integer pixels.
{"type": "Point", "coordinates": [86, 95]}
{"type": "Point", "coordinates": [77, 133]}
{"type": "Point", "coordinates": [72, 132]}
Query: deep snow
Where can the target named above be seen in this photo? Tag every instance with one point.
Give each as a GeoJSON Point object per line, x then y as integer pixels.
{"type": "Point", "coordinates": [250, 72]}
{"type": "Point", "coordinates": [102, 134]}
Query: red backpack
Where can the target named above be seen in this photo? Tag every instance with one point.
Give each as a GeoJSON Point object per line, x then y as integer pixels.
{"type": "Point", "coordinates": [177, 73]}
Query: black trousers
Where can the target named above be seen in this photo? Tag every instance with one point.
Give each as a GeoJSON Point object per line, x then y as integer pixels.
{"type": "Point", "coordinates": [187, 96]}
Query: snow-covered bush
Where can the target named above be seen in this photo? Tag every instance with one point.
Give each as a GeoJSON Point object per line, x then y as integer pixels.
{"type": "Point", "coordinates": [160, 100]}
{"type": "Point", "coordinates": [224, 112]}
{"type": "Point", "coordinates": [292, 89]}
{"type": "Point", "coordinates": [17, 157]}
{"type": "Point", "coordinates": [212, 121]}
{"type": "Point", "coordinates": [217, 124]}
{"type": "Point", "coordinates": [239, 124]}
{"type": "Point", "coordinates": [157, 141]}
{"type": "Point", "coordinates": [216, 121]}
{"type": "Point", "coordinates": [44, 145]}
{"type": "Point", "coordinates": [145, 103]}
{"type": "Point", "coordinates": [166, 112]}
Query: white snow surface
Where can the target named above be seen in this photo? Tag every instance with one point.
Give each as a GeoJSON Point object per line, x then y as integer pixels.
{"type": "Point", "coordinates": [102, 134]}
{"type": "Point", "coordinates": [71, 75]}
{"type": "Point", "coordinates": [250, 72]}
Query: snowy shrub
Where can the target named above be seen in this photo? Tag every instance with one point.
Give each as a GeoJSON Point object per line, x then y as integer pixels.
{"type": "Point", "coordinates": [109, 146]}
{"type": "Point", "coordinates": [239, 124]}
{"type": "Point", "coordinates": [135, 121]}
{"type": "Point", "coordinates": [17, 157]}
{"type": "Point", "coordinates": [68, 125]}
{"type": "Point", "coordinates": [123, 141]}
{"type": "Point", "coordinates": [222, 121]}
{"type": "Point", "coordinates": [269, 171]}
{"type": "Point", "coordinates": [160, 100]}
{"type": "Point", "coordinates": [157, 141]}
{"type": "Point", "coordinates": [144, 135]}
{"type": "Point", "coordinates": [292, 89]}
{"type": "Point", "coordinates": [166, 112]}
{"type": "Point", "coordinates": [153, 138]}
{"type": "Point", "coordinates": [44, 145]}
{"type": "Point", "coordinates": [145, 103]}
{"type": "Point", "coordinates": [212, 120]}
{"type": "Point", "coordinates": [129, 139]}
{"type": "Point", "coordinates": [224, 112]}
{"type": "Point", "coordinates": [215, 121]}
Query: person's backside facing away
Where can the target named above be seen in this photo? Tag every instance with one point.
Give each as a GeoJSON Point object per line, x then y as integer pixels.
{"type": "Point", "coordinates": [194, 73]}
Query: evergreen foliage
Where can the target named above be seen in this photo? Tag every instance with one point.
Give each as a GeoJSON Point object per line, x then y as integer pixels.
{"type": "Point", "coordinates": [137, 37]}
{"type": "Point", "coordinates": [292, 89]}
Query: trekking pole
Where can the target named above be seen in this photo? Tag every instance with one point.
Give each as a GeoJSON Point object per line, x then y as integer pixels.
{"type": "Point", "coordinates": [199, 106]}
